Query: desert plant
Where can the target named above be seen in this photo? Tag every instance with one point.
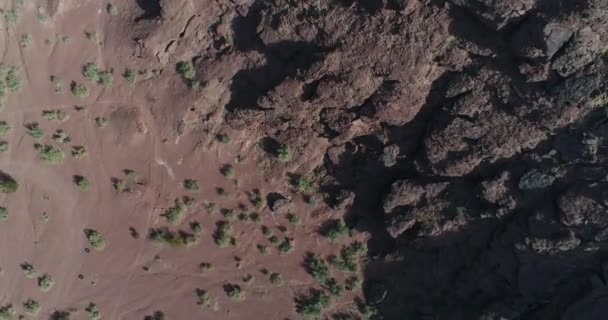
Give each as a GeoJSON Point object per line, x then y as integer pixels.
{"type": "Point", "coordinates": [82, 182]}
{"type": "Point", "coordinates": [318, 269]}
{"type": "Point", "coordinates": [223, 234]}
{"type": "Point", "coordinates": [234, 291]}
{"type": "Point", "coordinates": [211, 207]}
{"type": "Point", "coordinates": [312, 306]}
{"type": "Point", "coordinates": [31, 306]}
{"type": "Point", "coordinates": [51, 154]}
{"type": "Point", "coordinates": [92, 36]}
{"type": "Point", "coordinates": [248, 278]}
{"type": "Point", "coordinates": [54, 115]}
{"type": "Point", "coordinates": [79, 90]}
{"type": "Point", "coordinates": [175, 213]}
{"type": "Point", "coordinates": [186, 70]}
{"type": "Point", "coordinates": [294, 219]}
{"type": "Point", "coordinates": [286, 246]}
{"type": "Point", "coordinates": [3, 214]}
{"type": "Point", "coordinates": [57, 85]}
{"type": "Point", "coordinates": [26, 40]}
{"type": "Point", "coordinates": [334, 229]}
{"type": "Point", "coordinates": [130, 76]}
{"type": "Point", "coordinates": [45, 282]}
{"type": "Point", "coordinates": [4, 146]}
{"type": "Point", "coordinates": [60, 315]}
{"type": "Point", "coordinates": [263, 249]}
{"type": "Point", "coordinates": [95, 239]}
{"type": "Point", "coordinates": [61, 136]}
{"type": "Point", "coordinates": [223, 138]}
{"type": "Point", "coordinates": [274, 240]}
{"type": "Point", "coordinates": [333, 287]}
{"type": "Point", "coordinates": [106, 78]}
{"type": "Point", "coordinates": [205, 266]}
{"type": "Point", "coordinates": [10, 80]}
{"type": "Point", "coordinates": [92, 312]}
{"type": "Point", "coordinates": [196, 227]}
{"type": "Point", "coordinates": [255, 217]}
{"type": "Point", "coordinates": [352, 283]}
{"type": "Point", "coordinates": [276, 279]}
{"type": "Point", "coordinates": [227, 171]}
{"type": "Point", "coordinates": [205, 300]}
{"type": "Point", "coordinates": [118, 185]}
{"type": "Point", "coordinates": [283, 153]}
{"type": "Point", "coordinates": [301, 183]}
{"type": "Point", "coordinates": [91, 72]}
{"type": "Point", "coordinates": [101, 122]}
{"type": "Point", "coordinates": [33, 129]}
{"type": "Point", "coordinates": [7, 312]}
{"type": "Point", "coordinates": [173, 239]}
{"type": "Point", "coordinates": [349, 256]}
{"type": "Point", "coordinates": [5, 128]}
{"type": "Point", "coordinates": [112, 9]}
{"type": "Point", "coordinates": [28, 270]}
{"type": "Point", "coordinates": [11, 16]}
{"type": "Point", "coordinates": [8, 184]}
{"type": "Point", "coordinates": [191, 185]}
{"type": "Point", "coordinates": [79, 152]}
{"type": "Point", "coordinates": [243, 217]}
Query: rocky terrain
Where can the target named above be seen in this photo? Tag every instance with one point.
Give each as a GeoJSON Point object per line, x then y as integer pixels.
{"type": "Point", "coordinates": [464, 141]}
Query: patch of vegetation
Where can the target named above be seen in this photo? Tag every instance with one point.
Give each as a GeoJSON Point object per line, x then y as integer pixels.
{"type": "Point", "coordinates": [349, 257]}
{"type": "Point", "coordinates": [286, 246]}
{"type": "Point", "coordinates": [333, 287]}
{"type": "Point", "coordinates": [60, 315]}
{"type": "Point", "coordinates": [33, 129]}
{"type": "Point", "coordinates": [227, 170]}
{"type": "Point", "coordinates": [276, 279]}
{"type": "Point", "coordinates": [106, 78]}
{"type": "Point", "coordinates": [302, 184]}
{"type": "Point", "coordinates": [57, 85]}
{"type": "Point", "coordinates": [10, 80]}
{"type": "Point", "coordinates": [157, 315]}
{"type": "Point", "coordinates": [7, 312]}
{"type": "Point", "coordinates": [352, 283]}
{"type": "Point", "coordinates": [92, 36]}
{"type": "Point", "coordinates": [45, 282]}
{"type": "Point", "coordinates": [334, 229]}
{"type": "Point", "coordinates": [255, 217]}
{"type": "Point", "coordinates": [28, 270]}
{"type": "Point", "coordinates": [312, 306]}
{"type": "Point", "coordinates": [31, 306]}
{"type": "Point", "coordinates": [211, 207]}
{"type": "Point", "coordinates": [50, 154]}
{"type": "Point", "coordinates": [318, 269]}
{"type": "Point", "coordinates": [175, 214]}
{"type": "Point", "coordinates": [101, 122]}
{"type": "Point", "coordinates": [172, 239]}
{"type": "Point", "coordinates": [294, 219]}
{"type": "Point", "coordinates": [79, 90]}
{"type": "Point", "coordinates": [92, 312]}
{"type": "Point", "coordinates": [82, 182]}
{"type": "Point", "coordinates": [283, 153]}
{"type": "Point", "coordinates": [8, 184]}
{"type": "Point", "coordinates": [186, 70]}
{"type": "Point", "coordinates": [112, 9]}
{"type": "Point", "coordinates": [223, 235]}
{"type": "Point", "coordinates": [118, 185]}
{"type": "Point", "coordinates": [243, 217]}
{"type": "Point", "coordinates": [79, 152]}
{"type": "Point", "coordinates": [273, 239]}
{"type": "Point", "coordinates": [130, 76]}
{"type": "Point", "coordinates": [234, 291]}
{"type": "Point", "coordinates": [54, 115]}
{"type": "Point", "coordinates": [3, 214]}
{"type": "Point", "coordinates": [248, 278]}
{"type": "Point", "coordinates": [91, 72]}
{"type": "Point", "coordinates": [256, 198]}
{"type": "Point", "coordinates": [196, 227]}
{"type": "Point", "coordinates": [263, 249]}
{"type": "Point", "coordinates": [61, 136]}
{"type": "Point", "coordinates": [191, 185]}
{"type": "Point", "coordinates": [4, 146]}
{"type": "Point", "coordinates": [95, 239]}
{"type": "Point", "coordinates": [5, 128]}
{"type": "Point", "coordinates": [369, 311]}
{"type": "Point", "coordinates": [205, 266]}
{"type": "Point", "coordinates": [205, 300]}
{"type": "Point", "coordinates": [11, 16]}
{"type": "Point", "coordinates": [223, 138]}
{"type": "Point", "coordinates": [26, 40]}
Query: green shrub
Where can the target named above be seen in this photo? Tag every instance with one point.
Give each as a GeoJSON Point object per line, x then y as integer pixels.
{"type": "Point", "coordinates": [33, 129]}
{"type": "Point", "coordinates": [92, 312]}
{"type": "Point", "coordinates": [11, 16]}
{"type": "Point", "coordinates": [302, 184]}
{"type": "Point", "coordinates": [263, 249]}
{"type": "Point", "coordinates": [51, 154]}
{"type": "Point", "coordinates": [79, 152]}
{"type": "Point", "coordinates": [312, 306]}
{"type": "Point", "coordinates": [352, 283]}
{"type": "Point", "coordinates": [91, 72]}
{"type": "Point", "coordinates": [92, 36]}
{"type": "Point", "coordinates": [10, 80]}
{"type": "Point", "coordinates": [173, 239]}
{"type": "Point", "coordinates": [255, 217]}
{"type": "Point", "coordinates": [227, 171]}
{"type": "Point", "coordinates": [3, 214]}
{"type": "Point", "coordinates": [4, 146]}
{"type": "Point", "coordinates": [223, 138]}
{"type": "Point", "coordinates": [60, 315]}
{"type": "Point", "coordinates": [248, 279]}
{"type": "Point", "coordinates": [205, 266]}
{"type": "Point", "coordinates": [106, 78]}
{"type": "Point", "coordinates": [334, 288]}
{"type": "Point", "coordinates": [191, 185]}
{"type": "Point", "coordinates": [79, 90]}
{"type": "Point", "coordinates": [318, 269]}
{"type": "Point", "coordinates": [26, 40]}
{"type": "Point", "coordinates": [286, 246]}
{"type": "Point", "coordinates": [274, 240]}
{"type": "Point", "coordinates": [5, 128]}
{"type": "Point", "coordinates": [82, 182]}
{"type": "Point", "coordinates": [95, 239]}
{"type": "Point", "coordinates": [283, 153]}
{"type": "Point", "coordinates": [186, 70]}
{"type": "Point", "coordinates": [101, 122]}
{"type": "Point", "coordinates": [54, 115]}
{"type": "Point", "coordinates": [7, 312]}
{"type": "Point", "coordinates": [8, 184]}
{"type": "Point", "coordinates": [211, 207]}
{"type": "Point", "coordinates": [118, 185]}
{"type": "Point", "coordinates": [223, 235]}
{"type": "Point", "coordinates": [130, 76]}
{"type": "Point", "coordinates": [234, 291]}
{"type": "Point", "coordinates": [112, 9]}
{"type": "Point", "coordinates": [157, 315]}
{"type": "Point", "coordinates": [57, 85]}
{"type": "Point", "coordinates": [45, 282]}
{"type": "Point", "coordinates": [28, 270]}
{"type": "Point", "coordinates": [31, 306]}
{"type": "Point", "coordinates": [334, 229]}
{"type": "Point", "coordinates": [276, 279]}
{"type": "Point", "coordinates": [196, 227]}
{"type": "Point", "coordinates": [205, 300]}
{"type": "Point", "coordinates": [175, 214]}
{"type": "Point", "coordinates": [294, 219]}
{"type": "Point", "coordinates": [61, 137]}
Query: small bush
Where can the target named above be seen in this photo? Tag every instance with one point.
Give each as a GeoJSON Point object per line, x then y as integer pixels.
{"type": "Point", "coordinates": [7, 312]}
{"type": "Point", "coordinates": [4, 146]}
{"type": "Point", "coordinates": [191, 185]}
{"type": "Point", "coordinates": [101, 122]}
{"type": "Point", "coordinates": [186, 70]}
{"type": "Point", "coordinates": [118, 185]}
{"type": "Point", "coordinates": [5, 128]}
{"type": "Point", "coordinates": [274, 240]}
{"type": "Point", "coordinates": [91, 72]}
{"type": "Point", "coordinates": [28, 270]}
{"type": "Point", "coordinates": [205, 300]}
{"type": "Point", "coordinates": [334, 288]}
{"type": "Point", "coordinates": [196, 227]}
{"type": "Point", "coordinates": [283, 153]}
{"type": "Point", "coordinates": [45, 282]}
{"type": "Point", "coordinates": [79, 152]}
{"type": "Point", "coordinates": [112, 9]}
{"type": "Point", "coordinates": [54, 115]}
{"type": "Point", "coordinates": [57, 85]}
{"type": "Point", "coordinates": [352, 283]}
{"type": "Point", "coordinates": [255, 217]}
{"type": "Point", "coordinates": [234, 291]}
{"type": "Point", "coordinates": [95, 239]}
{"type": "Point", "coordinates": [51, 154]}
{"type": "Point", "coordinates": [334, 229]}
{"type": "Point", "coordinates": [286, 246]}
{"type": "Point", "coordinates": [263, 249]}
{"type": "Point", "coordinates": [3, 214]}
{"type": "Point", "coordinates": [11, 16]}
{"type": "Point", "coordinates": [173, 239]}
{"type": "Point", "coordinates": [312, 306]}
{"type": "Point", "coordinates": [130, 76]}
{"type": "Point", "coordinates": [175, 214]}
{"type": "Point", "coordinates": [276, 279]}
{"type": "Point", "coordinates": [92, 312]}
{"type": "Point", "coordinates": [211, 207]}
{"type": "Point", "coordinates": [33, 129]}
{"type": "Point", "coordinates": [106, 78]}
{"type": "Point", "coordinates": [60, 315]}
{"type": "Point", "coordinates": [318, 269]}
{"type": "Point", "coordinates": [205, 266]}
{"type": "Point", "coordinates": [82, 182]}
{"type": "Point", "coordinates": [79, 90]}
{"type": "Point", "coordinates": [248, 279]}
{"type": "Point", "coordinates": [31, 306]}
{"type": "Point", "coordinates": [157, 315]}
{"type": "Point", "coordinates": [227, 171]}
{"type": "Point", "coordinates": [61, 136]}
{"type": "Point", "coordinates": [223, 138]}
{"type": "Point", "coordinates": [223, 234]}
{"type": "Point", "coordinates": [294, 219]}
{"type": "Point", "coordinates": [8, 184]}
{"type": "Point", "coordinates": [26, 40]}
